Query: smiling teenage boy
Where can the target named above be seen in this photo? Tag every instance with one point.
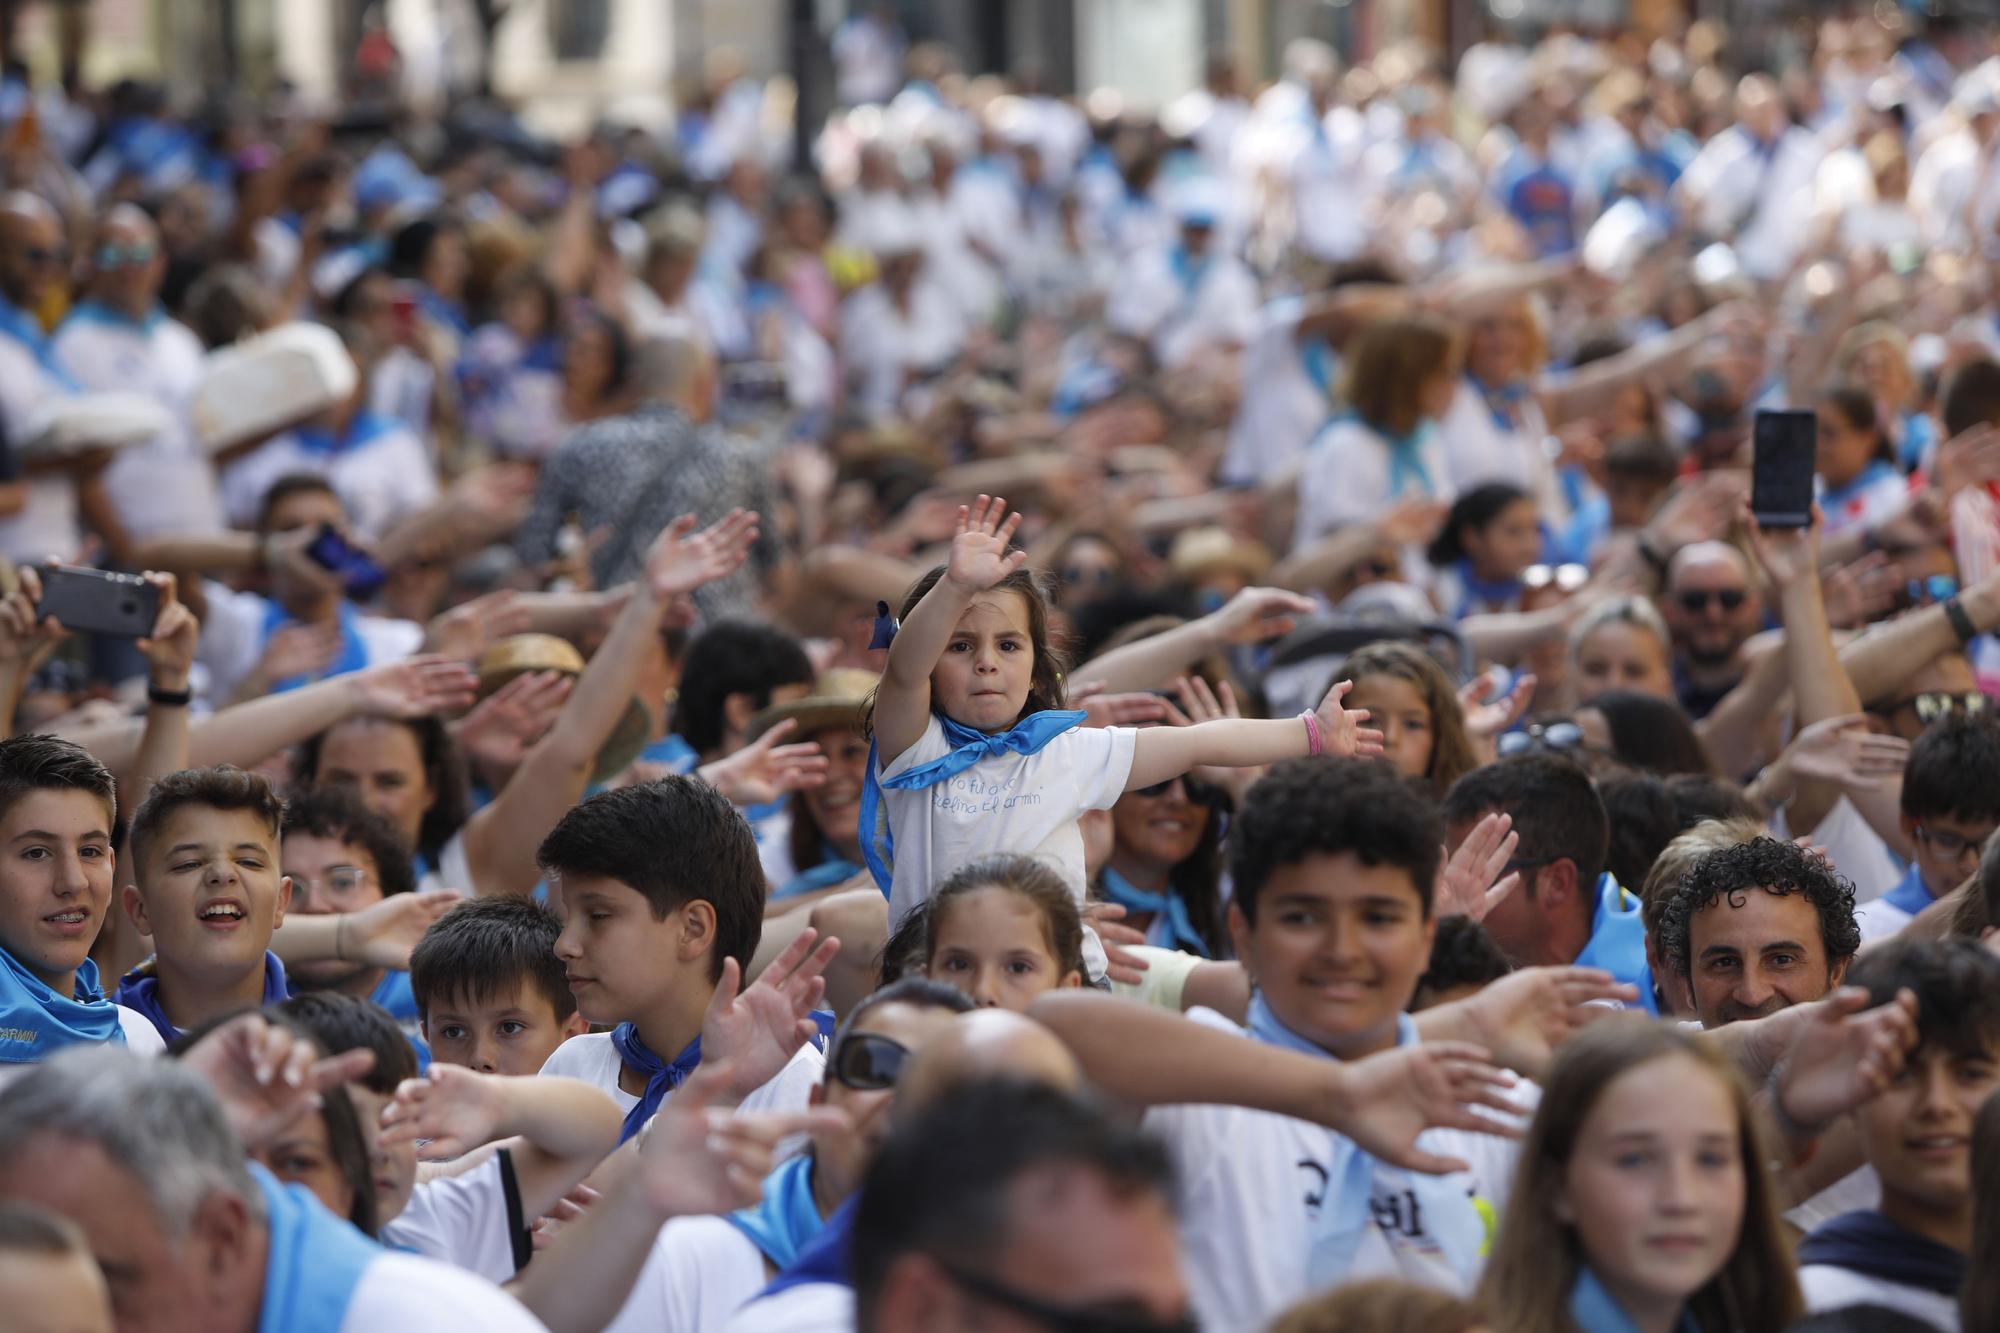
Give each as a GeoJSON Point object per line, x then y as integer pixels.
{"type": "Point", "coordinates": [206, 887]}
{"type": "Point", "coordinates": [57, 806]}
{"type": "Point", "coordinates": [663, 905]}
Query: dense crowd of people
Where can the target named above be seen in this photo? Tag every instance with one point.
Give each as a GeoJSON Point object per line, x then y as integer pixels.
{"type": "Point", "coordinates": [583, 806]}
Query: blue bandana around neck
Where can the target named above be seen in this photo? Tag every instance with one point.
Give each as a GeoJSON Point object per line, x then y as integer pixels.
{"type": "Point", "coordinates": [1316, 355]}
{"type": "Point", "coordinates": [315, 1263]}
{"type": "Point", "coordinates": [140, 989]}
{"type": "Point", "coordinates": [97, 312]}
{"type": "Point", "coordinates": [1346, 1214]}
{"type": "Point", "coordinates": [661, 1077]}
{"type": "Point", "coordinates": [834, 870]}
{"type": "Point", "coordinates": [1172, 927]}
{"type": "Point", "coordinates": [353, 654]}
{"type": "Point", "coordinates": [1029, 736]}
{"type": "Point", "coordinates": [1505, 403]}
{"type": "Point", "coordinates": [35, 1022]}
{"type": "Point", "coordinates": [1910, 895]}
{"type": "Point", "coordinates": [363, 427]}
{"type": "Point", "coordinates": [1596, 1310]}
{"type": "Point", "coordinates": [1188, 271]}
{"type": "Point", "coordinates": [1618, 941]}
{"type": "Point", "coordinates": [823, 1259]}
{"type": "Point", "coordinates": [1408, 473]}
{"type": "Point", "coordinates": [787, 1218]}
{"type": "Point", "coordinates": [25, 329]}
{"type": "Point", "coordinates": [1868, 1243]}
{"type": "Point", "coordinates": [1481, 594]}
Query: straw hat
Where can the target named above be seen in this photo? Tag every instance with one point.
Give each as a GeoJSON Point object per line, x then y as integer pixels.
{"type": "Point", "coordinates": [840, 699]}
{"type": "Point", "coordinates": [518, 654]}
{"type": "Point", "coordinates": [1199, 552]}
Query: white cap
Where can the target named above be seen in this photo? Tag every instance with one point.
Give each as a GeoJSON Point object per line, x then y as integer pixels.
{"type": "Point", "coordinates": [1199, 201]}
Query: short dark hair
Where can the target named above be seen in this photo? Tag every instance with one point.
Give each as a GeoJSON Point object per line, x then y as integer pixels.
{"type": "Point", "coordinates": [625, 833]}
{"type": "Point", "coordinates": [1642, 821]}
{"type": "Point", "coordinates": [1700, 797]}
{"type": "Point", "coordinates": [339, 815]}
{"type": "Point", "coordinates": [485, 947]}
{"type": "Point", "coordinates": [1957, 985]}
{"type": "Point", "coordinates": [1476, 510]}
{"type": "Point", "coordinates": [1954, 770]}
{"type": "Point", "coordinates": [1651, 733]}
{"type": "Point", "coordinates": [924, 1193]}
{"type": "Point", "coordinates": [36, 762]}
{"type": "Point", "coordinates": [1971, 397]}
{"type": "Point", "coordinates": [1765, 864]}
{"type": "Point", "coordinates": [224, 787]}
{"type": "Point", "coordinates": [1558, 814]}
{"type": "Point", "coordinates": [1462, 954]}
{"type": "Point", "coordinates": [1644, 457]}
{"type": "Point", "coordinates": [339, 1023]}
{"type": "Point", "coordinates": [1323, 807]}
{"type": "Point", "coordinates": [917, 992]}
{"type": "Point", "coordinates": [908, 947]}
{"type": "Point", "coordinates": [733, 657]}
{"type": "Point", "coordinates": [284, 488]}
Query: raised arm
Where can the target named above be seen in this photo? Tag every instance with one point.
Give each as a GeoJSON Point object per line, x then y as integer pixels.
{"type": "Point", "coordinates": [1882, 659]}
{"type": "Point", "coordinates": [1160, 753]}
{"type": "Point", "coordinates": [1591, 390]}
{"type": "Point", "coordinates": [169, 652]}
{"type": "Point", "coordinates": [1254, 615]}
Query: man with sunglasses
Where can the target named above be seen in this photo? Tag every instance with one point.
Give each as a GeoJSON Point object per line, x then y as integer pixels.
{"type": "Point", "coordinates": [1950, 809]}
{"type": "Point", "coordinates": [1712, 610]}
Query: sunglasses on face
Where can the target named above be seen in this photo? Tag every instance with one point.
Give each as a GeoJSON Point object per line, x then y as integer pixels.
{"type": "Point", "coordinates": [1554, 736]}
{"type": "Point", "coordinates": [1949, 845]}
{"type": "Point", "coordinates": [869, 1061]}
{"type": "Point", "coordinates": [118, 256]}
{"type": "Point", "coordinates": [1062, 1319]}
{"type": "Point", "coordinates": [1696, 600]}
{"type": "Point", "coordinates": [1934, 704]}
{"type": "Point", "coordinates": [1563, 578]}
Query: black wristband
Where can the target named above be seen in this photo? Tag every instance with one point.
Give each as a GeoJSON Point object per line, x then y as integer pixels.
{"type": "Point", "coordinates": [169, 698]}
{"type": "Point", "coordinates": [1961, 623]}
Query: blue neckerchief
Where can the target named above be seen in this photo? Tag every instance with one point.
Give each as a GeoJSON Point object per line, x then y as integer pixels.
{"type": "Point", "coordinates": [1346, 1213]}
{"type": "Point", "coordinates": [1028, 736]}
{"type": "Point", "coordinates": [661, 1077]}
{"type": "Point", "coordinates": [1839, 497]}
{"type": "Point", "coordinates": [1496, 593]}
{"type": "Point", "coordinates": [1595, 1310]}
{"type": "Point", "coordinates": [1172, 927]}
{"type": "Point", "coordinates": [35, 1022]}
{"type": "Point", "coordinates": [1316, 355]}
{"type": "Point", "coordinates": [673, 753]}
{"type": "Point", "coordinates": [363, 427]}
{"type": "Point", "coordinates": [140, 989]}
{"type": "Point", "coordinates": [834, 870]}
{"type": "Point", "coordinates": [1919, 437]}
{"type": "Point", "coordinates": [1505, 403]}
{"type": "Point", "coordinates": [1911, 894]}
{"type": "Point", "coordinates": [1407, 471]}
{"type": "Point", "coordinates": [1188, 271]}
{"type": "Point", "coordinates": [314, 1264]}
{"type": "Point", "coordinates": [1618, 941]}
{"type": "Point", "coordinates": [442, 312]}
{"type": "Point", "coordinates": [1868, 1243]}
{"type": "Point", "coordinates": [544, 353]}
{"type": "Point", "coordinates": [353, 654]}
{"type": "Point", "coordinates": [25, 329]}
{"type": "Point", "coordinates": [97, 312]}
{"type": "Point", "coordinates": [823, 1259]}
{"type": "Point", "coordinates": [787, 1218]}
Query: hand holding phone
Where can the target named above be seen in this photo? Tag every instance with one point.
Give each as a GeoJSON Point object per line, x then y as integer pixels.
{"type": "Point", "coordinates": [96, 601]}
{"type": "Point", "coordinates": [360, 577]}
{"type": "Point", "coordinates": [1781, 472]}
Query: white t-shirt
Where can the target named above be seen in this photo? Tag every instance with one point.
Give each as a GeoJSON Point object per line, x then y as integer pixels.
{"type": "Point", "coordinates": [1858, 1189]}
{"type": "Point", "coordinates": [881, 343]}
{"type": "Point", "coordinates": [472, 1220]}
{"type": "Point", "coordinates": [593, 1058]}
{"type": "Point", "coordinates": [381, 481]}
{"type": "Point", "coordinates": [1274, 425]}
{"type": "Point", "coordinates": [813, 1307]}
{"type": "Point", "coordinates": [1250, 1185]}
{"type": "Point", "coordinates": [233, 638]}
{"type": "Point", "coordinates": [402, 1293]}
{"type": "Point", "coordinates": [1880, 919]}
{"type": "Point", "coordinates": [1347, 478]}
{"type": "Point", "coordinates": [1006, 803]}
{"type": "Point", "coordinates": [701, 1271]}
{"type": "Point", "coordinates": [49, 524]}
{"type": "Point", "coordinates": [141, 1037]}
{"type": "Point", "coordinates": [1828, 1288]}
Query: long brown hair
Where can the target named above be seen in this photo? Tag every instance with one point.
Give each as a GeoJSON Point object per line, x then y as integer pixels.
{"type": "Point", "coordinates": [1045, 687]}
{"type": "Point", "coordinates": [1451, 745]}
{"type": "Point", "coordinates": [1024, 876]}
{"type": "Point", "coordinates": [1979, 1300]}
{"type": "Point", "coordinates": [1536, 1256]}
{"type": "Point", "coordinates": [1389, 364]}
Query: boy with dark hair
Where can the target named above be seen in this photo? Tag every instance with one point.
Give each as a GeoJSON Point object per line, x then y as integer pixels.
{"type": "Point", "coordinates": [662, 899]}
{"type": "Point", "coordinates": [734, 670]}
{"type": "Point", "coordinates": [489, 988]}
{"type": "Point", "coordinates": [1950, 808]}
{"type": "Point", "coordinates": [1464, 959]}
{"type": "Point", "coordinates": [1909, 1253]}
{"type": "Point", "coordinates": [207, 889]}
{"type": "Point", "coordinates": [57, 809]}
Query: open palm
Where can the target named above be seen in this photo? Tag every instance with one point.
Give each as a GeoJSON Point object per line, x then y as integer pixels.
{"type": "Point", "coordinates": [979, 554]}
{"type": "Point", "coordinates": [682, 560]}
{"type": "Point", "coordinates": [762, 1026]}
{"type": "Point", "coordinates": [1394, 1096]}
{"type": "Point", "coordinates": [415, 687]}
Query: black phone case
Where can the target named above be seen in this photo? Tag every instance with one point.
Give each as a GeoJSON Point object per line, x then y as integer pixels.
{"type": "Point", "coordinates": [90, 601]}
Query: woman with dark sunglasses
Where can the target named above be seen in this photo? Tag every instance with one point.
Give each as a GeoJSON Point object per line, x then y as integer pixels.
{"type": "Point", "coordinates": [1165, 867]}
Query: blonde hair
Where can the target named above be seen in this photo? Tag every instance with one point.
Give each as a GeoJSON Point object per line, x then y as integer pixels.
{"type": "Point", "coordinates": [1679, 856]}
{"type": "Point", "coordinates": [1452, 756]}
{"type": "Point", "coordinates": [1624, 609]}
{"type": "Point", "coordinates": [1389, 364]}
{"type": "Point", "coordinates": [1537, 1257]}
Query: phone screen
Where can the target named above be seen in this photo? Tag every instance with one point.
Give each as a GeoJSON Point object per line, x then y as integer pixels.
{"type": "Point", "coordinates": [360, 576]}
{"type": "Point", "coordinates": [1781, 475]}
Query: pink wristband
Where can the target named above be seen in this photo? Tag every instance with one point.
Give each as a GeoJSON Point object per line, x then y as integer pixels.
{"type": "Point", "coordinates": [1315, 742]}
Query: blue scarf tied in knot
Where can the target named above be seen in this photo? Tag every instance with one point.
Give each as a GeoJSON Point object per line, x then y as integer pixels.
{"type": "Point", "coordinates": [662, 1077]}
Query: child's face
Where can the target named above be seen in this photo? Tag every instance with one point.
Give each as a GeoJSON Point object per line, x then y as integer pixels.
{"type": "Point", "coordinates": [211, 892]}
{"type": "Point", "coordinates": [1337, 950]}
{"type": "Point", "coordinates": [329, 875]}
{"type": "Point", "coordinates": [393, 1167]}
{"type": "Point", "coordinates": [1917, 1133]}
{"type": "Point", "coordinates": [303, 1155]}
{"type": "Point", "coordinates": [993, 945]}
{"type": "Point", "coordinates": [983, 678]}
{"type": "Point", "coordinates": [55, 881]}
{"type": "Point", "coordinates": [49, 1293]}
{"type": "Point", "coordinates": [615, 952]}
{"type": "Point", "coordinates": [511, 1032]}
{"type": "Point", "coordinates": [1397, 709]}
{"type": "Point", "coordinates": [1654, 1186]}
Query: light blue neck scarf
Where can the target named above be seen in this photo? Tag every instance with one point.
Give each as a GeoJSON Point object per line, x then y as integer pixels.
{"type": "Point", "coordinates": [787, 1218]}
{"type": "Point", "coordinates": [35, 1022]}
{"type": "Point", "coordinates": [1345, 1216]}
{"type": "Point", "coordinates": [1171, 922]}
{"type": "Point", "coordinates": [315, 1263]}
{"type": "Point", "coordinates": [1596, 1310]}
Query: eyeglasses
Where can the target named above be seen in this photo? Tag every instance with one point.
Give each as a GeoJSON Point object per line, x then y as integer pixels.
{"type": "Point", "coordinates": [339, 882]}
{"type": "Point", "coordinates": [1198, 792]}
{"type": "Point", "coordinates": [1696, 600]}
{"type": "Point", "coordinates": [1060, 1318]}
{"type": "Point", "coordinates": [118, 256]}
{"type": "Point", "coordinates": [1934, 704]}
{"type": "Point", "coordinates": [1554, 736]}
{"type": "Point", "coordinates": [869, 1061]}
{"type": "Point", "coordinates": [1950, 845]}
{"type": "Point", "coordinates": [1564, 578]}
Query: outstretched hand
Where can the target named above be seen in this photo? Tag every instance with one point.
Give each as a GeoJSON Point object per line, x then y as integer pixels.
{"type": "Point", "coordinates": [1340, 728]}
{"type": "Point", "coordinates": [266, 1076]}
{"type": "Point", "coordinates": [1843, 1055]}
{"type": "Point", "coordinates": [1257, 615]}
{"type": "Point", "coordinates": [979, 555]}
{"type": "Point", "coordinates": [1385, 1101]}
{"type": "Point", "coordinates": [384, 934]}
{"type": "Point", "coordinates": [682, 560]}
{"type": "Point", "coordinates": [760, 1028]}
{"type": "Point", "coordinates": [415, 687]}
{"type": "Point", "coordinates": [454, 1108]}
{"type": "Point", "coordinates": [1526, 1016]}
{"type": "Point", "coordinates": [697, 1158]}
{"type": "Point", "coordinates": [764, 770]}
{"type": "Point", "coordinates": [1476, 878]}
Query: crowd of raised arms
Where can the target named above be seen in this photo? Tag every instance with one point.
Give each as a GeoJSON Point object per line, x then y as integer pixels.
{"type": "Point", "coordinates": [586, 808]}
